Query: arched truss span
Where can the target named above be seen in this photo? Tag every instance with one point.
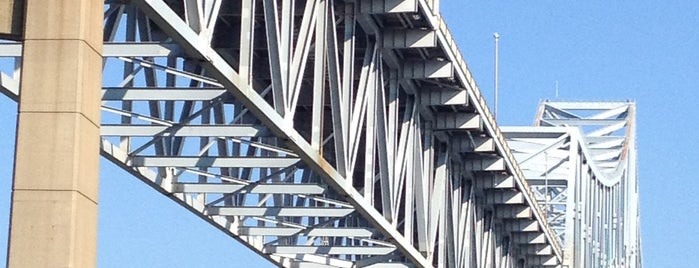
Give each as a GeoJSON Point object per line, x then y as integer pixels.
{"type": "Point", "coordinates": [580, 161]}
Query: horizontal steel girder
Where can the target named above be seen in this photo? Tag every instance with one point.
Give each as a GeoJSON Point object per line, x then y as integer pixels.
{"type": "Point", "coordinates": [542, 260]}
{"type": "Point", "coordinates": [494, 181]}
{"type": "Point", "coordinates": [390, 265]}
{"type": "Point", "coordinates": [522, 225]}
{"type": "Point", "coordinates": [496, 197]}
{"type": "Point", "coordinates": [280, 211]}
{"type": "Point", "coordinates": [184, 131]}
{"type": "Point", "coordinates": [161, 94]}
{"type": "Point", "coordinates": [240, 162]}
{"type": "Point", "coordinates": [580, 122]}
{"type": "Point", "coordinates": [536, 249]}
{"type": "Point", "coordinates": [120, 49]}
{"type": "Point", "coordinates": [328, 250]}
{"type": "Point", "coordinates": [409, 38]}
{"type": "Point", "coordinates": [269, 188]}
{"type": "Point", "coordinates": [528, 238]}
{"type": "Point", "coordinates": [386, 6]}
{"type": "Point", "coordinates": [458, 121]}
{"type": "Point", "coordinates": [317, 231]}
{"type": "Point", "coordinates": [474, 145]}
{"type": "Point", "coordinates": [513, 212]}
{"type": "Point", "coordinates": [428, 69]}
{"type": "Point", "coordinates": [438, 97]}
{"type": "Point", "coordinates": [485, 164]}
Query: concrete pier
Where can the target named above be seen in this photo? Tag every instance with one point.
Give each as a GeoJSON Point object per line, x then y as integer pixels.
{"type": "Point", "coordinates": [55, 190]}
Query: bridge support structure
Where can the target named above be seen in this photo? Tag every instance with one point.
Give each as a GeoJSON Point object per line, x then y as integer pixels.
{"type": "Point", "coordinates": [317, 133]}
{"type": "Point", "coordinates": [54, 195]}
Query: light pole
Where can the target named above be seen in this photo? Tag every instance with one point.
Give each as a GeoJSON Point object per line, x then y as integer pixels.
{"type": "Point", "coordinates": [497, 37]}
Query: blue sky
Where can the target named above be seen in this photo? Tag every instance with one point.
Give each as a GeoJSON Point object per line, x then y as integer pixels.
{"type": "Point", "coordinates": [597, 50]}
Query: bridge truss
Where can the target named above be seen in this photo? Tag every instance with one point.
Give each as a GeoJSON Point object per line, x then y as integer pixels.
{"type": "Point", "coordinates": [580, 161]}
{"type": "Point", "coordinates": [329, 134]}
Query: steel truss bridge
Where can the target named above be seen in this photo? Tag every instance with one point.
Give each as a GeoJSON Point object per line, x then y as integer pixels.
{"type": "Point", "coordinates": [337, 133]}
{"type": "Point", "coordinates": [580, 162]}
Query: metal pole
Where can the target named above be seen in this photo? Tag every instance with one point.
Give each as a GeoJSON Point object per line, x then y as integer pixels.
{"type": "Point", "coordinates": [497, 37]}
{"type": "Point", "coordinates": [546, 185]}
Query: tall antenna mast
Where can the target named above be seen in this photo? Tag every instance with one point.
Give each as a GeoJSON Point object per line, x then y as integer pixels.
{"type": "Point", "coordinates": [497, 37]}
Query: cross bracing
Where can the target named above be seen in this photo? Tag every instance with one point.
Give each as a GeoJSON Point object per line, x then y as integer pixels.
{"type": "Point", "coordinates": [580, 161]}
{"type": "Point", "coordinates": [316, 133]}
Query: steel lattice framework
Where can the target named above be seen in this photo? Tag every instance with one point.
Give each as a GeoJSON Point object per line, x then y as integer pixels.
{"type": "Point", "coordinates": [580, 161]}
{"type": "Point", "coordinates": [329, 133]}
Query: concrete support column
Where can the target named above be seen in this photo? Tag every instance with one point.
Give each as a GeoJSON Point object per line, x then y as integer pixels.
{"type": "Point", "coordinates": [54, 198]}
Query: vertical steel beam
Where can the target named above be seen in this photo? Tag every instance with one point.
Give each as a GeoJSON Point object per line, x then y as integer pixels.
{"type": "Point", "coordinates": [54, 198]}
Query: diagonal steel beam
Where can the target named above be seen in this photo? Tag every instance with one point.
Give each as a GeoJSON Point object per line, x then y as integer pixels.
{"type": "Point", "coordinates": [9, 87]}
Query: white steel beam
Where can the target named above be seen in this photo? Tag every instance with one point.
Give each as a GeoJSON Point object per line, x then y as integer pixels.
{"type": "Point", "coordinates": [328, 250]}
{"type": "Point", "coordinates": [314, 232]}
{"type": "Point", "coordinates": [184, 131]}
{"type": "Point", "coordinates": [312, 261]}
{"type": "Point", "coordinates": [585, 105]}
{"type": "Point", "coordinates": [390, 265]}
{"type": "Point", "coordinates": [583, 121]}
{"type": "Point", "coordinates": [302, 264]}
{"type": "Point", "coordinates": [110, 49]}
{"type": "Point", "coordinates": [280, 211]}
{"type": "Point", "coordinates": [267, 188]}
{"type": "Point", "coordinates": [161, 94]}
{"type": "Point", "coordinates": [10, 49]}
{"type": "Point", "coordinates": [240, 162]}
{"type": "Point", "coordinates": [9, 86]}
{"type": "Point", "coordinates": [141, 50]}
